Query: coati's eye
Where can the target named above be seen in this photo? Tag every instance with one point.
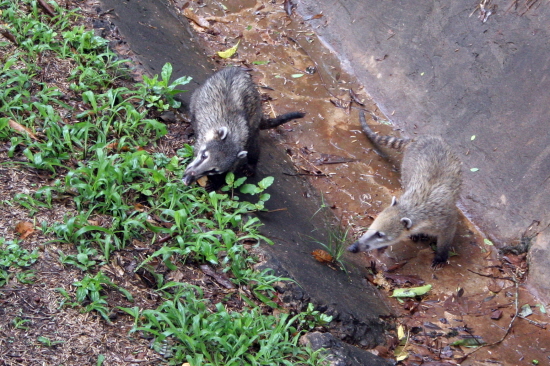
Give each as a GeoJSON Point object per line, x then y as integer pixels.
{"type": "Point", "coordinates": [380, 234]}
{"type": "Point", "coordinates": [204, 155]}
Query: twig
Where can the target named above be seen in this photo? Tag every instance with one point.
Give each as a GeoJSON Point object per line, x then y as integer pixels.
{"type": "Point", "coordinates": [535, 323]}
{"type": "Point", "coordinates": [47, 7]}
{"type": "Point", "coordinates": [10, 37]}
{"type": "Point", "coordinates": [166, 238]}
{"type": "Point", "coordinates": [277, 209]}
{"type": "Point", "coordinates": [491, 276]}
{"type": "Point", "coordinates": [311, 174]}
{"type": "Point", "coordinates": [507, 330]}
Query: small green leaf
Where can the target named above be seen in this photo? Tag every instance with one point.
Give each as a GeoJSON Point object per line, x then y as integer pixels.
{"type": "Point", "coordinates": [266, 182]}
{"type": "Point", "coordinates": [249, 189]}
{"type": "Point", "coordinates": [469, 342]}
{"type": "Point", "coordinates": [525, 311]}
{"type": "Point", "coordinates": [297, 75]}
{"type": "Point", "coordinates": [260, 62]}
{"type": "Point", "coordinates": [412, 291]}
{"type": "Point", "coordinates": [474, 169]}
{"type": "Point", "coordinates": [541, 308]}
{"type": "Point", "coordinates": [487, 242]}
{"type": "Point", "coordinates": [473, 138]}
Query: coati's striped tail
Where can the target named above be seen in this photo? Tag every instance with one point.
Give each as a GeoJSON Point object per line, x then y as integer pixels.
{"type": "Point", "coordinates": [389, 141]}
{"type": "Point", "coordinates": [268, 123]}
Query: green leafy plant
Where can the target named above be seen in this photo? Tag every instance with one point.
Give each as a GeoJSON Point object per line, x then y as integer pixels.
{"type": "Point", "coordinates": [89, 291]}
{"type": "Point", "coordinates": [160, 89]}
{"type": "Point", "coordinates": [219, 337]}
{"type": "Point", "coordinates": [12, 255]}
{"type": "Point", "coordinates": [48, 342]}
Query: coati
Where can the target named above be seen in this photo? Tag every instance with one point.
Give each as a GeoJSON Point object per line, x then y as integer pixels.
{"type": "Point", "coordinates": [431, 180]}
{"type": "Point", "coordinates": [226, 115]}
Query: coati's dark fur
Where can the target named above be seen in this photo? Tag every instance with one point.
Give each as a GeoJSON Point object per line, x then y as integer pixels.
{"type": "Point", "coordinates": [431, 178]}
{"type": "Point", "coordinates": [226, 115]}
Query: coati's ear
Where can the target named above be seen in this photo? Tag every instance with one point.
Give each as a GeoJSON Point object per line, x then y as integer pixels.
{"type": "Point", "coordinates": [242, 154]}
{"type": "Point", "coordinates": [222, 132]}
{"type": "Point", "coordinates": [407, 222]}
{"type": "Point", "coordinates": [393, 201]}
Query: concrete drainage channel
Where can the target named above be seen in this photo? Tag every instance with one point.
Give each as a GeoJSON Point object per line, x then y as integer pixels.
{"type": "Point", "coordinates": [155, 36]}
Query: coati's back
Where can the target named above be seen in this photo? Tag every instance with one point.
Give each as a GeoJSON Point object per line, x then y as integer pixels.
{"type": "Point", "coordinates": [229, 99]}
{"type": "Point", "coordinates": [225, 114]}
{"type": "Point", "coordinates": [431, 179]}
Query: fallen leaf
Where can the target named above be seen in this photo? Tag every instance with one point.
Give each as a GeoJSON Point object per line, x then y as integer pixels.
{"type": "Point", "coordinates": [412, 291]}
{"type": "Point", "coordinates": [25, 229]}
{"type": "Point", "coordinates": [322, 256]}
{"type": "Point", "coordinates": [469, 341]}
{"type": "Point", "coordinates": [202, 181]}
{"type": "Point", "coordinates": [220, 278]}
{"type": "Point", "coordinates": [229, 52]}
{"type": "Point", "coordinates": [139, 207]}
{"type": "Point", "coordinates": [22, 129]}
{"type": "Point", "coordinates": [496, 315]}
{"type": "Point", "coordinates": [47, 7]}
{"type": "Point", "coordinates": [403, 279]}
{"type": "Point", "coordinates": [332, 159]}
{"type": "Point", "coordinates": [487, 242]}
{"type": "Point", "coordinates": [473, 138]}
{"type": "Point", "coordinates": [474, 169]}
{"type": "Point", "coordinates": [200, 21]}
{"type": "Point", "coordinates": [8, 36]}
{"type": "Point", "coordinates": [297, 75]}
{"type": "Point", "coordinates": [525, 311]}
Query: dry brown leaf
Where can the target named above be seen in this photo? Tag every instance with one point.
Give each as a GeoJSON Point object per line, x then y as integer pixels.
{"type": "Point", "coordinates": [139, 207]}
{"type": "Point", "coordinates": [202, 181]}
{"type": "Point", "coordinates": [25, 229]}
{"type": "Point", "coordinates": [22, 129]}
{"type": "Point", "coordinates": [200, 21]}
{"type": "Point", "coordinates": [322, 256]}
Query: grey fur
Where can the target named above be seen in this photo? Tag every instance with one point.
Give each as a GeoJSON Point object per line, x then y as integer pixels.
{"type": "Point", "coordinates": [226, 115]}
{"type": "Point", "coordinates": [431, 178]}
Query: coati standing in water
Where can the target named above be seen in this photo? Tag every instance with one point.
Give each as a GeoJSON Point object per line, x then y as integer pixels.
{"type": "Point", "coordinates": [431, 180]}
{"type": "Point", "coordinates": [226, 115]}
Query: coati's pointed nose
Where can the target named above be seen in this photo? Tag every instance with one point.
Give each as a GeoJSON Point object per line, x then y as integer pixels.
{"type": "Point", "coordinates": [188, 178]}
{"type": "Point", "coordinates": [354, 248]}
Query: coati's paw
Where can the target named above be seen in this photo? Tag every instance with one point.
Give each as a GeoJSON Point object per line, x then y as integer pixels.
{"type": "Point", "coordinates": [440, 260]}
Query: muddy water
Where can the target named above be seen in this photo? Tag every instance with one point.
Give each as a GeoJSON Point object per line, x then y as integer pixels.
{"type": "Point", "coordinates": [296, 72]}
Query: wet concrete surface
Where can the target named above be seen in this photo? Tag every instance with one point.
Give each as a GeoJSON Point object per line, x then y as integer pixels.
{"type": "Point", "coordinates": [436, 68]}
{"type": "Point", "coordinates": [281, 50]}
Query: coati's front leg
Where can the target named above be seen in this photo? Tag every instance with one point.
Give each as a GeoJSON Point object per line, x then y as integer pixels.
{"type": "Point", "coordinates": [444, 242]}
{"type": "Point", "coordinates": [214, 182]}
{"type": "Point", "coordinates": [249, 168]}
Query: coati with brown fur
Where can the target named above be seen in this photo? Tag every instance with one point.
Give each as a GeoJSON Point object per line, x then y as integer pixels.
{"type": "Point", "coordinates": [431, 178]}
{"type": "Point", "coordinates": [226, 115]}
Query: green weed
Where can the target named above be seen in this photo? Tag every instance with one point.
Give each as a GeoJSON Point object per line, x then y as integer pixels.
{"type": "Point", "coordinates": [13, 256]}
{"type": "Point", "coordinates": [89, 292]}
{"type": "Point", "coordinates": [205, 336]}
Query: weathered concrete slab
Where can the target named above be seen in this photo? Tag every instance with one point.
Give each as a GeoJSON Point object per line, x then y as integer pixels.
{"type": "Point", "coordinates": [433, 69]}
{"type": "Point", "coordinates": [158, 37]}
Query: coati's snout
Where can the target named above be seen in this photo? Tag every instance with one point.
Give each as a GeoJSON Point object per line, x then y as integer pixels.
{"type": "Point", "coordinates": [354, 248]}
{"type": "Point", "coordinates": [189, 177]}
